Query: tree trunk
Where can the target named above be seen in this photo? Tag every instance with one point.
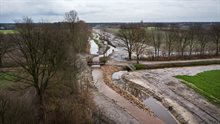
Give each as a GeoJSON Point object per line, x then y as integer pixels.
{"type": "Point", "coordinates": [202, 50]}
{"type": "Point", "coordinates": [169, 50]}
{"type": "Point", "coordinates": [158, 51]}
{"type": "Point", "coordinates": [137, 59]}
{"type": "Point", "coordinates": [182, 51]}
{"type": "Point", "coordinates": [155, 51]}
{"type": "Point", "coordinates": [129, 55]}
{"type": "Point", "coordinates": [217, 48]}
{"type": "Point", "coordinates": [41, 111]}
{"type": "Point", "coordinates": [190, 50]}
{"type": "Point", "coordinates": [3, 118]}
{"type": "Point", "coordinates": [0, 61]}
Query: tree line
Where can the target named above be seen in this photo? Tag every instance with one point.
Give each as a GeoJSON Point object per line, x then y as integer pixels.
{"type": "Point", "coordinates": [169, 42]}
{"type": "Point", "coordinates": [48, 85]}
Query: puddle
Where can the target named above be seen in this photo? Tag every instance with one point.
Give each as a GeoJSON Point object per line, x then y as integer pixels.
{"type": "Point", "coordinates": [159, 110]}
{"type": "Point", "coordinates": [117, 75]}
{"type": "Point", "coordinates": [93, 48]}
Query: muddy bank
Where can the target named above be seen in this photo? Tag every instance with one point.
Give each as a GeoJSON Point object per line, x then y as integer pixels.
{"type": "Point", "coordinates": [148, 93]}
{"type": "Point", "coordinates": [109, 70]}
{"type": "Point", "coordinates": [142, 115]}
{"type": "Point", "coordinates": [187, 105]}
{"type": "Point", "coordinates": [111, 113]}
{"type": "Point", "coordinates": [139, 92]}
{"type": "Point", "coordinates": [106, 110]}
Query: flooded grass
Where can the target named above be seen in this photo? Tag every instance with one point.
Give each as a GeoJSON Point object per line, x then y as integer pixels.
{"type": "Point", "coordinates": [206, 83]}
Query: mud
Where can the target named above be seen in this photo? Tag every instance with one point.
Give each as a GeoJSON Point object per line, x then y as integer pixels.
{"type": "Point", "coordinates": [184, 103]}
{"type": "Point", "coordinates": [151, 103]}
{"type": "Point", "coordinates": [134, 111]}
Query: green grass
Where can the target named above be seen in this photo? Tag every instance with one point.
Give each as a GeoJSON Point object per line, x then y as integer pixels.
{"type": "Point", "coordinates": [113, 30]}
{"type": "Point", "coordinates": [206, 83]}
{"type": "Point", "coordinates": [5, 80]}
{"type": "Point", "coordinates": [103, 59]}
{"type": "Point", "coordinates": [139, 66]}
{"type": "Point", "coordinates": [8, 31]}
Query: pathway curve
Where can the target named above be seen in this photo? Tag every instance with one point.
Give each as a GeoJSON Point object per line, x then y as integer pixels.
{"type": "Point", "coordinates": [134, 111]}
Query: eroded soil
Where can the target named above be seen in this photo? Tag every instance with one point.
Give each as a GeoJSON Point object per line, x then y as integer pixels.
{"type": "Point", "coordinates": [187, 105]}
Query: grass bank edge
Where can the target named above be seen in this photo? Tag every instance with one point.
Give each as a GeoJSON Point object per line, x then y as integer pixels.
{"type": "Point", "coordinates": [200, 91]}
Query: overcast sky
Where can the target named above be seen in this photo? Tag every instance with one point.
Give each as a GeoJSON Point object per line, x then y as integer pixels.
{"type": "Point", "coordinates": [112, 10]}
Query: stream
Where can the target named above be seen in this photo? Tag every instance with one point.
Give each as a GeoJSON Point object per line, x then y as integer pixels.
{"type": "Point", "coordinates": [97, 74]}
{"type": "Point", "coordinates": [93, 47]}
{"type": "Point", "coordinates": [150, 102]}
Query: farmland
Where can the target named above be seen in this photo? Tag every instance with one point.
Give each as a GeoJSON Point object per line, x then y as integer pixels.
{"type": "Point", "coordinates": [207, 83]}
{"type": "Point", "coordinates": [8, 31]}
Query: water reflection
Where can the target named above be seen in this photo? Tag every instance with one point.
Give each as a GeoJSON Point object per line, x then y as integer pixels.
{"type": "Point", "coordinates": [93, 47]}
{"type": "Point", "coordinates": [154, 105]}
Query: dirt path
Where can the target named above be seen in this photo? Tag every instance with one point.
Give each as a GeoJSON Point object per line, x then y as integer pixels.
{"type": "Point", "coordinates": [133, 110]}
{"type": "Point", "coordinates": [113, 113]}
{"type": "Point", "coordinates": [187, 104]}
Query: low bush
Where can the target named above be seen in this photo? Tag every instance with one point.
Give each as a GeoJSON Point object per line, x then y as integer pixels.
{"type": "Point", "coordinates": [103, 59]}
{"type": "Point", "coordinates": [89, 59]}
{"type": "Point", "coordinates": [139, 66]}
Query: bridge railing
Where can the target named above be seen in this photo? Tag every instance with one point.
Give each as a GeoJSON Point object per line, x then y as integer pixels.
{"type": "Point", "coordinates": [95, 63]}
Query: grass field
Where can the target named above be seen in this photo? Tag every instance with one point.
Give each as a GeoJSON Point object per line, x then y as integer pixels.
{"type": "Point", "coordinates": [206, 83]}
{"type": "Point", "coordinates": [8, 31]}
{"type": "Point", "coordinates": [113, 30]}
{"type": "Point", "coordinates": [4, 80]}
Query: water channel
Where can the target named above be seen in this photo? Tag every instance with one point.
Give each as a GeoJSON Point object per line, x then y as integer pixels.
{"type": "Point", "coordinates": [160, 111]}
{"type": "Point", "coordinates": [154, 105]}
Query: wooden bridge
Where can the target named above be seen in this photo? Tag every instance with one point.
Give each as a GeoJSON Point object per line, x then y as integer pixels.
{"type": "Point", "coordinates": [95, 63]}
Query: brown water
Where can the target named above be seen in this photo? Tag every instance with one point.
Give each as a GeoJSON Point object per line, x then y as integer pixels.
{"type": "Point", "coordinates": [159, 110]}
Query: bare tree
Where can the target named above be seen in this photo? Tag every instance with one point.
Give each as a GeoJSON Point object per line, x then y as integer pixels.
{"type": "Point", "coordinates": [191, 39]}
{"type": "Point", "coordinates": [183, 41]}
{"type": "Point", "coordinates": [171, 38]}
{"type": "Point", "coordinates": [215, 29]}
{"type": "Point", "coordinates": [81, 36]}
{"type": "Point", "coordinates": [126, 39]}
{"type": "Point", "coordinates": [157, 40]}
{"type": "Point", "coordinates": [79, 32]}
{"type": "Point", "coordinates": [41, 53]}
{"type": "Point", "coordinates": [4, 106]}
{"type": "Point", "coordinates": [140, 42]}
{"type": "Point", "coordinates": [4, 46]}
{"type": "Point", "coordinates": [71, 16]}
{"type": "Point", "coordinates": [202, 37]}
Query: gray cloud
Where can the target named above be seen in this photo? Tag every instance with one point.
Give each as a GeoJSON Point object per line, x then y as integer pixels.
{"type": "Point", "coordinates": [112, 10]}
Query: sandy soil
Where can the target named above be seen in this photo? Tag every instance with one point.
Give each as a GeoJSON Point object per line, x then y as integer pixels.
{"type": "Point", "coordinates": [187, 105]}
